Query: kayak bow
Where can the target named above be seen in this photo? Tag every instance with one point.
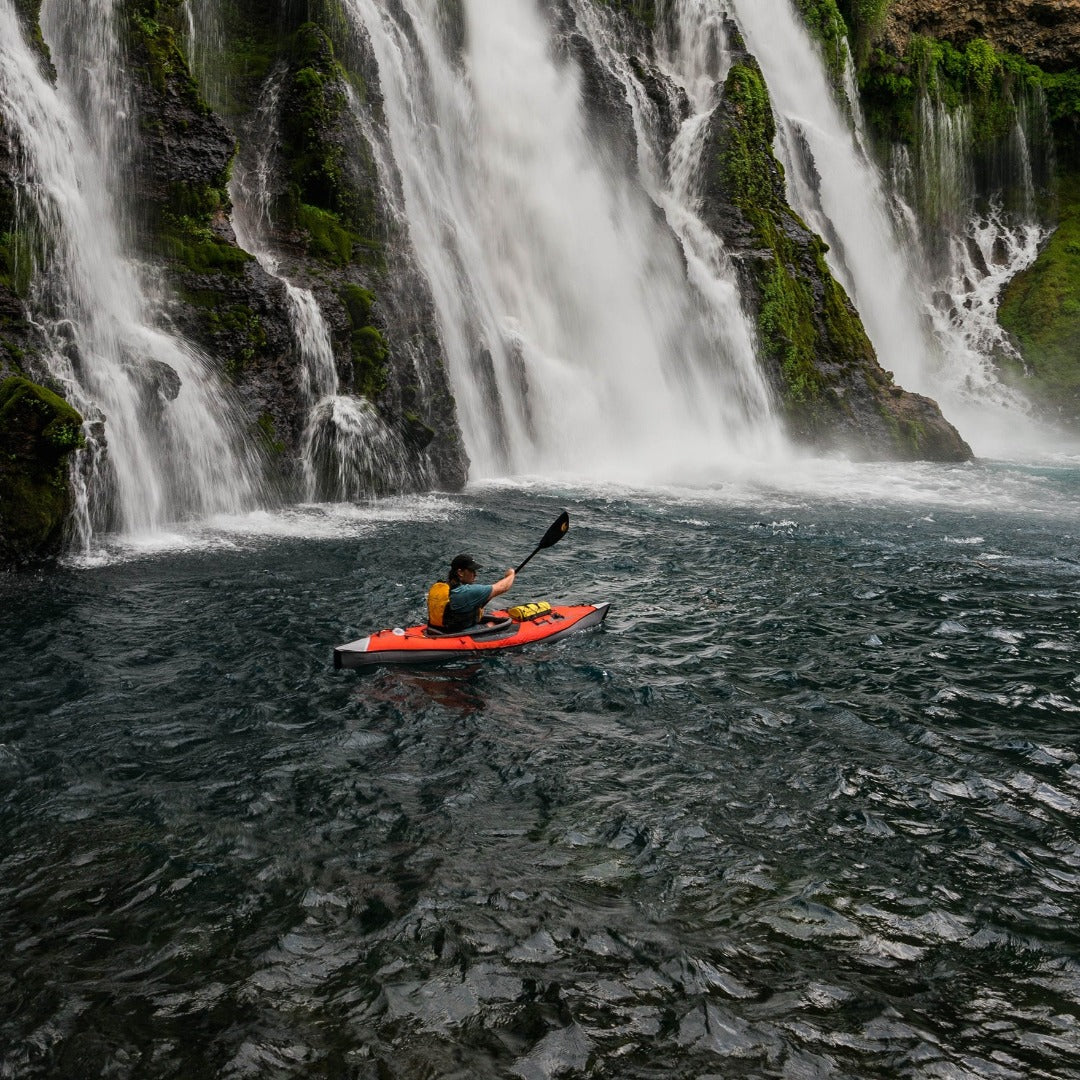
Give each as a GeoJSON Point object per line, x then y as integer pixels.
{"type": "Point", "coordinates": [420, 645]}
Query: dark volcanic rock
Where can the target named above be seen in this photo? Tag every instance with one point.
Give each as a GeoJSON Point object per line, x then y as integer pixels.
{"type": "Point", "coordinates": [1046, 32]}
{"type": "Point", "coordinates": [38, 430]}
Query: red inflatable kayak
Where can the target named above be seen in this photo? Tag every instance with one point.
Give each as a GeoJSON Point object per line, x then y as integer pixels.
{"type": "Point", "coordinates": [419, 644]}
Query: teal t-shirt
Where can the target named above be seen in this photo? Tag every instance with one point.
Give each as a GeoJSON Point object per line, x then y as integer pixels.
{"type": "Point", "coordinates": [465, 598]}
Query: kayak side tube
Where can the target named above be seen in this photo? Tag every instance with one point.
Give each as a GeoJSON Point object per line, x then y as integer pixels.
{"type": "Point", "coordinates": [415, 646]}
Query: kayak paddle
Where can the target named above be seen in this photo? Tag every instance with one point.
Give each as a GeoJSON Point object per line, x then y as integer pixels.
{"type": "Point", "coordinates": [552, 536]}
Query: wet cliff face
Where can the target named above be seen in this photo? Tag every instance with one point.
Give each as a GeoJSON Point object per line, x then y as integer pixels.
{"type": "Point", "coordinates": [326, 227]}
{"type": "Point", "coordinates": [1045, 32]}
{"type": "Point", "coordinates": [38, 432]}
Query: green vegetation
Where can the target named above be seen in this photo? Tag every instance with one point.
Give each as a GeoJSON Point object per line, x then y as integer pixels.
{"type": "Point", "coordinates": [185, 231]}
{"type": "Point", "coordinates": [38, 430]}
{"type": "Point", "coordinates": [747, 169]}
{"type": "Point", "coordinates": [976, 75]}
{"type": "Point", "coordinates": [827, 25]}
{"type": "Point", "coordinates": [1041, 310]}
{"type": "Point", "coordinates": [16, 261]}
{"type": "Point", "coordinates": [643, 10]}
{"type": "Point", "coordinates": [367, 345]}
{"type": "Point", "coordinates": [152, 32]}
{"type": "Point", "coordinates": [17, 247]}
{"type": "Point", "coordinates": [865, 20]}
{"type": "Point", "coordinates": [29, 12]}
{"type": "Point", "coordinates": [266, 433]}
{"type": "Point", "coordinates": [337, 213]}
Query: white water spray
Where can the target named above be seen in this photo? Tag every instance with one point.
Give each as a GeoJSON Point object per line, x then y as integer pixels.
{"type": "Point", "coordinates": [170, 450]}
{"type": "Point", "coordinates": [573, 336]}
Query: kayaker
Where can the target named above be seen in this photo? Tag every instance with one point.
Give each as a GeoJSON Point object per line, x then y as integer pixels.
{"type": "Point", "coordinates": [462, 605]}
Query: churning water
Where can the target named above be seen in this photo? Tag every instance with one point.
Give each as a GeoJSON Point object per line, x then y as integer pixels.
{"type": "Point", "coordinates": [806, 806]}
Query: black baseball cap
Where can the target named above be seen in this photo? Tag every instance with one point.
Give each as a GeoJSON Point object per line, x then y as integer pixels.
{"type": "Point", "coordinates": [464, 562]}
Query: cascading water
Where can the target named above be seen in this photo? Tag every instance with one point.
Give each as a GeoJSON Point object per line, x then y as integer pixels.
{"type": "Point", "coordinates": [973, 244]}
{"type": "Point", "coordinates": [169, 449]}
{"type": "Point", "coordinates": [694, 63]}
{"type": "Point", "coordinates": [837, 189]}
{"type": "Point", "coordinates": [574, 339]}
{"type": "Point", "coordinates": [940, 349]}
{"type": "Point", "coordinates": [347, 450]}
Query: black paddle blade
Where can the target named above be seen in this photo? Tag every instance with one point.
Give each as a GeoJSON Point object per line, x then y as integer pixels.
{"type": "Point", "coordinates": [552, 536]}
{"type": "Point", "coordinates": [557, 531]}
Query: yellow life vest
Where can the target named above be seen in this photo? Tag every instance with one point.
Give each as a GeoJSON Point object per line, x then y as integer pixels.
{"type": "Point", "coordinates": [439, 616]}
{"type": "Point", "coordinates": [437, 598]}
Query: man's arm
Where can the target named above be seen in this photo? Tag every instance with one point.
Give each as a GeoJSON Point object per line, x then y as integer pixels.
{"type": "Point", "coordinates": [503, 584]}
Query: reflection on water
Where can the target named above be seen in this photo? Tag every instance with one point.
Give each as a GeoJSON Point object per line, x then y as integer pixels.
{"type": "Point", "coordinates": [806, 806]}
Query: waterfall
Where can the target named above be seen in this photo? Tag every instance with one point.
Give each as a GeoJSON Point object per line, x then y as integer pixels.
{"type": "Point", "coordinates": [931, 320]}
{"type": "Point", "coordinates": [693, 62]}
{"type": "Point", "coordinates": [347, 450]}
{"type": "Point", "coordinates": [574, 339]}
{"type": "Point", "coordinates": [838, 190]}
{"type": "Point", "coordinates": [162, 445]}
{"type": "Point", "coordinates": [973, 242]}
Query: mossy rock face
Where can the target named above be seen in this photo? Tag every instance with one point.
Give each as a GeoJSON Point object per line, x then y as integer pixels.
{"type": "Point", "coordinates": [38, 431]}
{"type": "Point", "coordinates": [815, 351]}
{"type": "Point", "coordinates": [829, 29]}
{"type": "Point", "coordinates": [644, 11]}
{"type": "Point", "coordinates": [1040, 308]}
{"type": "Point", "coordinates": [332, 179]}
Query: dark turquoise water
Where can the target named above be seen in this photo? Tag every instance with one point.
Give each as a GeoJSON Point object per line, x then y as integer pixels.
{"type": "Point", "coordinates": [807, 806]}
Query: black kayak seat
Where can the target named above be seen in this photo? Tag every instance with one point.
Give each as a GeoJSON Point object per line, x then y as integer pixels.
{"type": "Point", "coordinates": [481, 629]}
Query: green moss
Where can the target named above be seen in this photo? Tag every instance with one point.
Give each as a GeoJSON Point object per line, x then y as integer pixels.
{"type": "Point", "coordinates": [29, 12]}
{"type": "Point", "coordinates": [977, 76]}
{"type": "Point", "coordinates": [366, 343]}
{"type": "Point", "coordinates": [185, 233]}
{"type": "Point", "coordinates": [785, 323]}
{"type": "Point", "coordinates": [16, 261]}
{"type": "Point", "coordinates": [1040, 308]}
{"type": "Point", "coordinates": [332, 190]}
{"type": "Point", "coordinates": [153, 36]}
{"type": "Point", "coordinates": [239, 334]}
{"type": "Point", "coordinates": [747, 170]}
{"type": "Point", "coordinates": [266, 433]}
{"type": "Point", "coordinates": [328, 238]}
{"type": "Point", "coordinates": [244, 332]}
{"type": "Point", "coordinates": [827, 25]}
{"type": "Point", "coordinates": [38, 430]}
{"type": "Point", "coordinates": [865, 20]}
{"type": "Point", "coordinates": [806, 323]}
{"type": "Point", "coordinates": [195, 247]}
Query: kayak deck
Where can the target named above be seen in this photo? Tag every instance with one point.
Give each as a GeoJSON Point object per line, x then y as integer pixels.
{"type": "Point", "coordinates": [419, 645]}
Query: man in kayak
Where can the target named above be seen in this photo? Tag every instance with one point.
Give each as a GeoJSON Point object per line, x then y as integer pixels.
{"type": "Point", "coordinates": [458, 603]}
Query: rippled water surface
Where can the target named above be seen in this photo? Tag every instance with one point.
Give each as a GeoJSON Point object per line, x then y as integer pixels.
{"type": "Point", "coordinates": [807, 806]}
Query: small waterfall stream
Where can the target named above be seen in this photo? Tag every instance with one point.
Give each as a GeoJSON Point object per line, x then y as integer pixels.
{"type": "Point", "coordinates": [973, 243]}
{"type": "Point", "coordinates": [162, 442]}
